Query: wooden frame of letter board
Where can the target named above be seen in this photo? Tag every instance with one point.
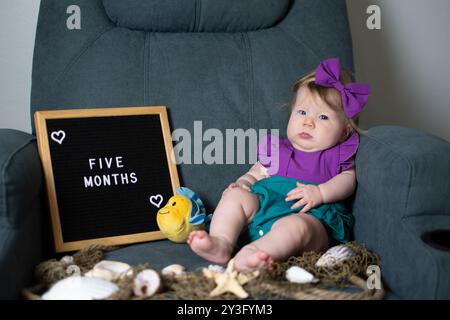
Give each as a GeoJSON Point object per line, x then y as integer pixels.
{"type": "Point", "coordinates": [44, 152]}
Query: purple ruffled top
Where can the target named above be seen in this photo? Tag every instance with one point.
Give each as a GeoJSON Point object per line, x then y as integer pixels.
{"type": "Point", "coordinates": [317, 167]}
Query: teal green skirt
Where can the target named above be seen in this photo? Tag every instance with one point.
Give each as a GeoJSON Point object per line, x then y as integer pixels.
{"type": "Point", "coordinates": [272, 192]}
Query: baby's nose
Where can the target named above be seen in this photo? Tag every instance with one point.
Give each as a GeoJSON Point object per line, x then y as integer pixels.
{"type": "Point", "coordinates": [308, 122]}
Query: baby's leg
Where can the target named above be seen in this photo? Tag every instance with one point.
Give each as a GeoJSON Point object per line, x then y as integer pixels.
{"type": "Point", "coordinates": [235, 210]}
{"type": "Point", "coordinates": [288, 236]}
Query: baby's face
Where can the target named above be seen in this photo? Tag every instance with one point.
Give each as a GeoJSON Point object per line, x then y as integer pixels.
{"type": "Point", "coordinates": [313, 125]}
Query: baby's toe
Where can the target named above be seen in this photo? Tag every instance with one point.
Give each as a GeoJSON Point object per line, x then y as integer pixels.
{"type": "Point", "coordinates": [264, 256]}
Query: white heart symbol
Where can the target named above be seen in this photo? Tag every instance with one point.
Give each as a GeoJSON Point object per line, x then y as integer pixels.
{"type": "Point", "coordinates": [58, 136]}
{"type": "Point", "coordinates": [154, 200]}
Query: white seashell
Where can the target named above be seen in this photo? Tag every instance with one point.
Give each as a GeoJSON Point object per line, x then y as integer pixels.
{"type": "Point", "coordinates": [73, 270]}
{"type": "Point", "coordinates": [173, 270]}
{"type": "Point", "coordinates": [67, 260]}
{"type": "Point", "coordinates": [109, 270]}
{"type": "Point", "coordinates": [80, 288]}
{"type": "Point", "coordinates": [335, 255]}
{"type": "Point", "coordinates": [216, 268]}
{"type": "Point", "coordinates": [300, 275]}
{"type": "Point", "coordinates": [147, 283]}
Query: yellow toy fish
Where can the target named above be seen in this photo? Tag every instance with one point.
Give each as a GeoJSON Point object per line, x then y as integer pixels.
{"type": "Point", "coordinates": [183, 213]}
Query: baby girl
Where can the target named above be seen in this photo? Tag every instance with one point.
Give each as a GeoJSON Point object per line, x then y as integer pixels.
{"type": "Point", "coordinates": [296, 205]}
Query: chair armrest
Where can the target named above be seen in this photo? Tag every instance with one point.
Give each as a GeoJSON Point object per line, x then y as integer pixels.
{"type": "Point", "coordinates": [20, 176]}
{"type": "Point", "coordinates": [403, 192]}
{"type": "Point", "coordinates": [21, 211]}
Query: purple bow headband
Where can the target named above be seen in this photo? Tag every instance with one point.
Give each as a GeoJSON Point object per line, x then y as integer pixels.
{"type": "Point", "coordinates": [354, 95]}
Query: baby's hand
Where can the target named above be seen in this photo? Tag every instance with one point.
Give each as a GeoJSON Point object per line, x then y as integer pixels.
{"type": "Point", "coordinates": [309, 195]}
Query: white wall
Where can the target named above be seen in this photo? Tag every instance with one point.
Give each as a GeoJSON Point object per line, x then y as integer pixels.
{"type": "Point", "coordinates": [17, 30]}
{"type": "Point", "coordinates": [406, 62]}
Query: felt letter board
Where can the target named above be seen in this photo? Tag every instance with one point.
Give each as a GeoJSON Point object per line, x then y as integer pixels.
{"type": "Point", "coordinates": [107, 172]}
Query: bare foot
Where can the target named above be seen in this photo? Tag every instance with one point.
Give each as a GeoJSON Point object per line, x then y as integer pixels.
{"type": "Point", "coordinates": [214, 249]}
{"type": "Point", "coordinates": [250, 258]}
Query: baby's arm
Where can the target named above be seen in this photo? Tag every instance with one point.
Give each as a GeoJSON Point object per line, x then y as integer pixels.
{"type": "Point", "coordinates": [337, 188]}
{"type": "Point", "coordinates": [256, 173]}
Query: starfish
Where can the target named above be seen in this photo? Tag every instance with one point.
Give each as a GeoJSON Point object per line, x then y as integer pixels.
{"type": "Point", "coordinates": [230, 280]}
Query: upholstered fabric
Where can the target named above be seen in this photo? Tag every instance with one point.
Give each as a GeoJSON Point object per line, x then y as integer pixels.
{"type": "Point", "coordinates": [229, 64]}
{"type": "Point", "coordinates": [196, 15]}
{"type": "Point", "coordinates": [21, 211]}
{"type": "Point", "coordinates": [20, 177]}
{"type": "Point", "coordinates": [403, 192]}
{"type": "Point", "coordinates": [226, 80]}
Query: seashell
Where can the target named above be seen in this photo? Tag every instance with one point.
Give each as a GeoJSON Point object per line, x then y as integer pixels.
{"type": "Point", "coordinates": [216, 268]}
{"type": "Point", "coordinates": [335, 255]}
{"type": "Point", "coordinates": [73, 270]}
{"type": "Point", "coordinates": [80, 288]}
{"type": "Point", "coordinates": [67, 260]}
{"type": "Point", "coordinates": [173, 270]}
{"type": "Point", "coordinates": [300, 275]}
{"type": "Point", "coordinates": [147, 283]}
{"type": "Point", "coordinates": [109, 270]}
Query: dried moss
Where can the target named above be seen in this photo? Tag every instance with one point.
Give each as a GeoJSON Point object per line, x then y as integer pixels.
{"type": "Point", "coordinates": [271, 284]}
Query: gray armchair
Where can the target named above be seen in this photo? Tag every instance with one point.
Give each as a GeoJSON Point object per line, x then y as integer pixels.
{"type": "Point", "coordinates": [229, 64]}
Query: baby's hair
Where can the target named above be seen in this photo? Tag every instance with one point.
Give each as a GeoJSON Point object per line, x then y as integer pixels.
{"type": "Point", "coordinates": [330, 96]}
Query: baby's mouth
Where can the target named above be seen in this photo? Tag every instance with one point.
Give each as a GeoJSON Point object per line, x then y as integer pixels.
{"type": "Point", "coordinates": [305, 135]}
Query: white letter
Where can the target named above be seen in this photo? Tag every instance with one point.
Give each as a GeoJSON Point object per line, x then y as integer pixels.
{"type": "Point", "coordinates": [374, 21]}
{"type": "Point", "coordinates": [106, 179]}
{"type": "Point", "coordinates": [73, 21]}
{"type": "Point", "coordinates": [119, 162]}
{"type": "Point", "coordinates": [108, 163]}
{"type": "Point", "coordinates": [124, 178]}
{"type": "Point", "coordinates": [98, 181]}
{"type": "Point", "coordinates": [91, 163]}
{"type": "Point", "coordinates": [88, 182]}
{"type": "Point", "coordinates": [115, 175]}
{"type": "Point", "coordinates": [133, 177]}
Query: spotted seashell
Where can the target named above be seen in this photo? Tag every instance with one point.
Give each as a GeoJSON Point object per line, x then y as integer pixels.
{"type": "Point", "coordinates": [335, 255]}
{"type": "Point", "coordinates": [147, 283]}
{"type": "Point", "coordinates": [80, 288]}
{"type": "Point", "coordinates": [299, 275]}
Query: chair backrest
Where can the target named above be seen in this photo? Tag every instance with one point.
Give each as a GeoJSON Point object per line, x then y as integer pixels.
{"type": "Point", "coordinates": [227, 63]}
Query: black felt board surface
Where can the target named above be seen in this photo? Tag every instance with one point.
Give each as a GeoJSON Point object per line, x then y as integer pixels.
{"type": "Point", "coordinates": [95, 201]}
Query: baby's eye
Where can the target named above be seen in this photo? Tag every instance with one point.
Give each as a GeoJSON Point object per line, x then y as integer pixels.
{"type": "Point", "coordinates": [301, 112]}
{"type": "Point", "coordinates": [323, 117]}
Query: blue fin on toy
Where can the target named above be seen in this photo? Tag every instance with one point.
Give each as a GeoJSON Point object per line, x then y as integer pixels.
{"type": "Point", "coordinates": [198, 219]}
{"type": "Point", "coordinates": [198, 210]}
{"type": "Point", "coordinates": [185, 192]}
{"type": "Point", "coordinates": [193, 196]}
